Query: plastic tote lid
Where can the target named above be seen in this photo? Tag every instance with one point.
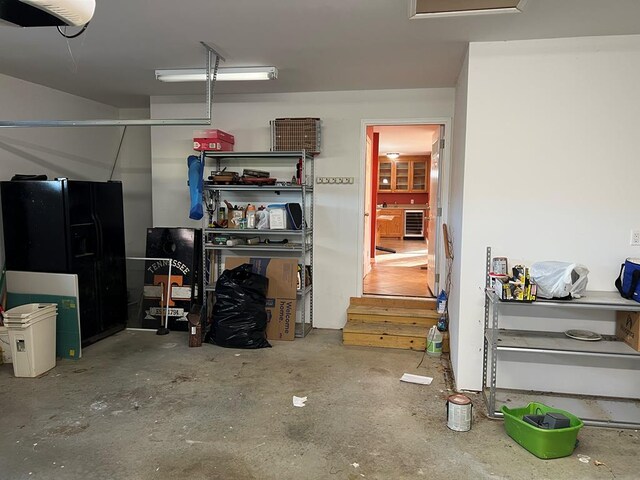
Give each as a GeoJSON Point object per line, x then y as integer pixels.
{"type": "Point", "coordinates": [30, 310]}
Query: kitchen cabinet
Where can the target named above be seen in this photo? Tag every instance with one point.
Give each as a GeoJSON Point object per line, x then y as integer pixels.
{"type": "Point", "coordinates": [403, 176]}
{"type": "Point", "coordinates": [385, 176]}
{"type": "Point", "coordinates": [394, 227]}
{"type": "Point", "coordinates": [418, 177]}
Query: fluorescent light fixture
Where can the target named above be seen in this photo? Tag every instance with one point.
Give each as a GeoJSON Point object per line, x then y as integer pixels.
{"type": "Point", "coordinates": [224, 74]}
{"type": "Point", "coordinates": [453, 8]}
{"type": "Point", "coordinates": [392, 155]}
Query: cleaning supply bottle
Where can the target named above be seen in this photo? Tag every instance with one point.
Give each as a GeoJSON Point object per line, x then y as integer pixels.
{"type": "Point", "coordinates": [251, 216]}
{"type": "Point", "coordinates": [443, 323]}
{"type": "Point", "coordinates": [434, 342]}
{"type": "Point", "coordinates": [442, 302]}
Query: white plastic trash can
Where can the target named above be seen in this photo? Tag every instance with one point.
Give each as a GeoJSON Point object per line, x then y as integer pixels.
{"type": "Point", "coordinates": [33, 346]}
{"type": "Point", "coordinates": [5, 345]}
{"type": "Point", "coordinates": [30, 311]}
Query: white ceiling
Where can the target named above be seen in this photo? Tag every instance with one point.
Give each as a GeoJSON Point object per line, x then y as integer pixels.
{"type": "Point", "coordinates": [405, 139]}
{"type": "Point", "coordinates": [317, 45]}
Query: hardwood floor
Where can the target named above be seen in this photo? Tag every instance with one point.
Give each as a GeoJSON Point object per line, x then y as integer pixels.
{"type": "Point", "coordinates": [400, 273]}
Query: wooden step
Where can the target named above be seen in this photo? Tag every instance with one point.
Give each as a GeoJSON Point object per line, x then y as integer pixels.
{"type": "Point", "coordinates": [394, 302]}
{"type": "Point", "coordinates": [406, 316]}
{"type": "Point", "coordinates": [407, 337]}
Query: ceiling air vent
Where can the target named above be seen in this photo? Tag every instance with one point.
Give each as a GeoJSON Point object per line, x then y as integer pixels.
{"type": "Point", "coordinates": [449, 8]}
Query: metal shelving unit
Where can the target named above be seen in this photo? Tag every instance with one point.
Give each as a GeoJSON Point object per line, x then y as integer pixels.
{"type": "Point", "coordinates": [302, 245]}
{"type": "Point", "coordinates": [257, 188]}
{"type": "Point", "coordinates": [590, 408]}
{"type": "Point", "coordinates": [291, 247]}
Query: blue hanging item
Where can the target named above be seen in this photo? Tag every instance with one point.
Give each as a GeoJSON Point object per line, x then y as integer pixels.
{"type": "Point", "coordinates": [196, 170]}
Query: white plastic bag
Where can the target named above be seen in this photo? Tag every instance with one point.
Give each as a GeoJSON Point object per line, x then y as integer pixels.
{"type": "Point", "coordinates": [262, 220]}
{"type": "Point", "coordinates": [559, 279]}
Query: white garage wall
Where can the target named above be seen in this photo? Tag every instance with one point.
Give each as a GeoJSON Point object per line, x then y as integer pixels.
{"type": "Point", "coordinates": [336, 247]}
{"type": "Point", "coordinates": [549, 168]}
{"type": "Point", "coordinates": [86, 153]}
{"type": "Point", "coordinates": [456, 212]}
{"type": "Point", "coordinates": [134, 171]}
{"type": "Point", "coordinates": [77, 153]}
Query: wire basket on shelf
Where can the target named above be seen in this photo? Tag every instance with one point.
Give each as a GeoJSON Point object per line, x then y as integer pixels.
{"type": "Point", "coordinates": [289, 134]}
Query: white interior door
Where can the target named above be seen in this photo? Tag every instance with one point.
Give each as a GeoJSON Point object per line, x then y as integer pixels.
{"type": "Point", "coordinates": [366, 251]}
{"type": "Point", "coordinates": [434, 212]}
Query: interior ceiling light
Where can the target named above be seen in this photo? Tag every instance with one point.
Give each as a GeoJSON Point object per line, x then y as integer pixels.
{"type": "Point", "coordinates": [450, 8]}
{"type": "Point", "coordinates": [393, 155]}
{"type": "Point", "coordinates": [224, 74]}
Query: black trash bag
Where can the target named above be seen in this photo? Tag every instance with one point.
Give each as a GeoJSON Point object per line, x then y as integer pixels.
{"type": "Point", "coordinates": [239, 315]}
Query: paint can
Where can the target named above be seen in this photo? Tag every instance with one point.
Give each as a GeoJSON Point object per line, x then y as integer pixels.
{"type": "Point", "coordinates": [459, 412]}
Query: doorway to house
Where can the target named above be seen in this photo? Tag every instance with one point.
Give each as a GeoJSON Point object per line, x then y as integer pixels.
{"type": "Point", "coordinates": [401, 206]}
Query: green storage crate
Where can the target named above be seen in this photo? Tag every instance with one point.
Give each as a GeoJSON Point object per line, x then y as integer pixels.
{"type": "Point", "coordinates": [539, 441]}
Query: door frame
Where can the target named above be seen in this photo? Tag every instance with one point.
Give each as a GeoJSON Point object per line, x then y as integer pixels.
{"type": "Point", "coordinates": [444, 186]}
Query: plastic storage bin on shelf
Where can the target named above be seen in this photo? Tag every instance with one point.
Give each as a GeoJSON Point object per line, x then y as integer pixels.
{"type": "Point", "coordinates": [32, 335]}
{"type": "Point", "coordinates": [542, 443]}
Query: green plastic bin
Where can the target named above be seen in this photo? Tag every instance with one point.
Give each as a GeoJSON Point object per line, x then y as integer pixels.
{"type": "Point", "coordinates": [541, 442]}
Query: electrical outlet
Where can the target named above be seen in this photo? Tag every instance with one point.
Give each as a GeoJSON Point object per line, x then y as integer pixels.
{"type": "Point", "coordinates": [635, 238]}
{"type": "Point", "coordinates": [331, 180]}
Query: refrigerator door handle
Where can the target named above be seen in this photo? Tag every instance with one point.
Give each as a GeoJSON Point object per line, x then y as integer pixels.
{"type": "Point", "coordinates": [98, 228]}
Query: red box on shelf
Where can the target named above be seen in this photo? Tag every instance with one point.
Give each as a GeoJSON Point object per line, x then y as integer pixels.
{"type": "Point", "coordinates": [213, 140]}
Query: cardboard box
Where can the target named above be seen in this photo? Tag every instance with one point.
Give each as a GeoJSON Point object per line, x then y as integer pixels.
{"type": "Point", "coordinates": [281, 295]}
{"type": "Point", "coordinates": [213, 140]}
{"type": "Point", "coordinates": [628, 328]}
{"type": "Point", "coordinates": [234, 218]}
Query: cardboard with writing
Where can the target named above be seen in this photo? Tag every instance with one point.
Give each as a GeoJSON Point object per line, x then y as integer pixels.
{"type": "Point", "coordinates": [628, 328]}
{"type": "Point", "coordinates": [281, 295]}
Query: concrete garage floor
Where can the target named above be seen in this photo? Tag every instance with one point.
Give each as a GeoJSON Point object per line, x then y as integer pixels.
{"type": "Point", "coordinates": [139, 406]}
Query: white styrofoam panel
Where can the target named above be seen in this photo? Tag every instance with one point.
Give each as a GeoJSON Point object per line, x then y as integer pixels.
{"type": "Point", "coordinates": [65, 284]}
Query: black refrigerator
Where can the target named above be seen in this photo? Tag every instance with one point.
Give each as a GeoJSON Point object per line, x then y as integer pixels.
{"type": "Point", "coordinates": [68, 226]}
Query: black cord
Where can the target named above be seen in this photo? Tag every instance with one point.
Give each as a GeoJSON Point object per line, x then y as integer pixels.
{"type": "Point", "coordinates": [423, 354]}
{"type": "Point", "coordinates": [75, 35]}
{"type": "Point", "coordinates": [115, 162]}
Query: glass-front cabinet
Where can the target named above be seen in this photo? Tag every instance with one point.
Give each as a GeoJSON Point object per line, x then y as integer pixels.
{"type": "Point", "coordinates": [385, 176]}
{"type": "Point", "coordinates": [418, 176]}
{"type": "Point", "coordinates": [402, 176]}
